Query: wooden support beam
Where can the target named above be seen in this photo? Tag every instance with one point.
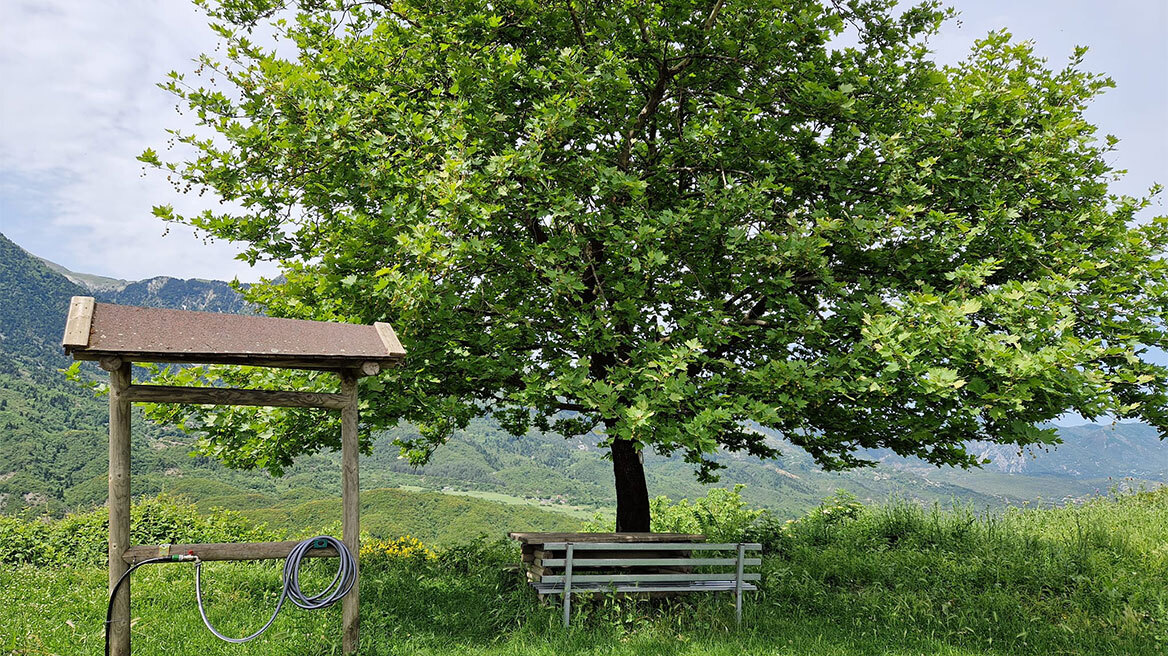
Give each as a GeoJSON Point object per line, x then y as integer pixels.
{"type": "Point", "coordinates": [351, 508]}
{"type": "Point", "coordinates": [119, 507]}
{"type": "Point", "coordinates": [223, 551]}
{"type": "Point", "coordinates": [235, 396]}
{"type": "Point", "coordinates": [277, 361]}
{"type": "Point", "coordinates": [78, 323]}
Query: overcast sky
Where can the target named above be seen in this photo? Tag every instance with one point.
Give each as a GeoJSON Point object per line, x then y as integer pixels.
{"type": "Point", "coordinates": [78, 103]}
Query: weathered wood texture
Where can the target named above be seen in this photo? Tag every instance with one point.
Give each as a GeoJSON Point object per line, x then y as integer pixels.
{"type": "Point", "coordinates": [119, 507]}
{"type": "Point", "coordinates": [388, 337]}
{"type": "Point", "coordinates": [658, 546]}
{"type": "Point", "coordinates": [235, 396]}
{"type": "Point", "coordinates": [138, 334]}
{"type": "Point", "coordinates": [78, 323]}
{"type": "Point", "coordinates": [117, 336]}
{"type": "Point", "coordinates": [223, 551]}
{"type": "Point", "coordinates": [351, 508]}
{"type": "Point", "coordinates": [578, 538]}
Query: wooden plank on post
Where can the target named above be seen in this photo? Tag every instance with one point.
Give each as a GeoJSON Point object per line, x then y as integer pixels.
{"type": "Point", "coordinates": [78, 323]}
{"type": "Point", "coordinates": [224, 551]}
{"type": "Point", "coordinates": [235, 396]}
{"type": "Point", "coordinates": [389, 338]}
{"type": "Point", "coordinates": [351, 502]}
{"type": "Point", "coordinates": [119, 507]}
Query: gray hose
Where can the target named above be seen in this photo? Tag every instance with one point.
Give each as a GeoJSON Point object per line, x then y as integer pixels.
{"type": "Point", "coordinates": [338, 588]}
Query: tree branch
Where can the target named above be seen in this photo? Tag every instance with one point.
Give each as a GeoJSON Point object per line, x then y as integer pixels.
{"type": "Point", "coordinates": [577, 25]}
{"type": "Point", "coordinates": [665, 73]}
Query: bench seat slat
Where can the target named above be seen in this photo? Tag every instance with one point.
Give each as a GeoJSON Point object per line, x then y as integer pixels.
{"type": "Point", "coordinates": [648, 546]}
{"type": "Point", "coordinates": [663, 586]}
{"type": "Point", "coordinates": [617, 562]}
{"type": "Point", "coordinates": [625, 578]}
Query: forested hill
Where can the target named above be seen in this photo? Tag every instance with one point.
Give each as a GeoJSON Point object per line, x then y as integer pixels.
{"type": "Point", "coordinates": [52, 432]}
{"type": "Point", "coordinates": [33, 303]}
{"type": "Point", "coordinates": [34, 299]}
{"type": "Point", "coordinates": [53, 439]}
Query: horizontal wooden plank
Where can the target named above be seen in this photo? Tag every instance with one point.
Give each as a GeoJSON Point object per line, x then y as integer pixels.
{"type": "Point", "coordinates": [698, 586]}
{"type": "Point", "coordinates": [223, 551]}
{"type": "Point", "coordinates": [331, 363]}
{"type": "Point", "coordinates": [663, 562]}
{"type": "Point", "coordinates": [629, 578]}
{"type": "Point", "coordinates": [235, 396]}
{"type": "Point", "coordinates": [617, 546]}
{"type": "Point", "coordinates": [577, 538]}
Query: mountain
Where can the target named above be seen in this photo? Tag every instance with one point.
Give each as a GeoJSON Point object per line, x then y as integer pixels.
{"type": "Point", "coordinates": [53, 440]}
{"type": "Point", "coordinates": [160, 291]}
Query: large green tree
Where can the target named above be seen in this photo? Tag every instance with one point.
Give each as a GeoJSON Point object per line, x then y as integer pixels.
{"type": "Point", "coordinates": [672, 222]}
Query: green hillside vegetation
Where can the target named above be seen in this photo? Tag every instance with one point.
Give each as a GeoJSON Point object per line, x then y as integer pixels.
{"type": "Point", "coordinates": [439, 520]}
{"type": "Point", "coordinates": [53, 441]}
{"type": "Point", "coordinates": [844, 580]}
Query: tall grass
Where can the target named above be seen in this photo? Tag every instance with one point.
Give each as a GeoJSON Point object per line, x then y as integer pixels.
{"type": "Point", "coordinates": [897, 578]}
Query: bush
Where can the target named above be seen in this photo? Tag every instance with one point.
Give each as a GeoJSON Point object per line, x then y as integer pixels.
{"type": "Point", "coordinates": [721, 515]}
{"type": "Point", "coordinates": [776, 535]}
{"type": "Point", "coordinates": [405, 548]}
{"type": "Point", "coordinates": [82, 538]}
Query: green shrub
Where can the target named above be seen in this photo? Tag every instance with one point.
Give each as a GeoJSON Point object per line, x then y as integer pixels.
{"type": "Point", "coordinates": [721, 515]}
{"type": "Point", "coordinates": [817, 526]}
{"type": "Point", "coordinates": [82, 538]}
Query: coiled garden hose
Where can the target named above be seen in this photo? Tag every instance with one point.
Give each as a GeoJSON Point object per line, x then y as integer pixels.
{"type": "Point", "coordinates": [341, 584]}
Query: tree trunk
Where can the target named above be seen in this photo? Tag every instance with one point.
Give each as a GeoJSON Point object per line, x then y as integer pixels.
{"type": "Point", "coordinates": [632, 494]}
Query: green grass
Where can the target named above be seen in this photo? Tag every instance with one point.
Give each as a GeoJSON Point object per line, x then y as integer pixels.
{"type": "Point", "coordinates": [581, 512]}
{"type": "Point", "coordinates": [433, 517]}
{"type": "Point", "coordinates": [891, 580]}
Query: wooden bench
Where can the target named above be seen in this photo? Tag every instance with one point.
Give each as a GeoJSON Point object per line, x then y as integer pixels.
{"type": "Point", "coordinates": [621, 568]}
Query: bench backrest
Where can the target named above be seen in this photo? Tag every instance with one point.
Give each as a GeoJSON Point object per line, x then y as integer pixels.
{"type": "Point", "coordinates": [635, 558]}
{"type": "Point", "coordinates": [724, 568]}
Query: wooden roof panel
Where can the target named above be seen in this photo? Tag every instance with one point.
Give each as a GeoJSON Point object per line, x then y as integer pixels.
{"type": "Point", "coordinates": [162, 335]}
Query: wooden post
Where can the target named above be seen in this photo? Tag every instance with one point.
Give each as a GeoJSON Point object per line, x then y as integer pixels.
{"type": "Point", "coordinates": [119, 504]}
{"type": "Point", "coordinates": [351, 503]}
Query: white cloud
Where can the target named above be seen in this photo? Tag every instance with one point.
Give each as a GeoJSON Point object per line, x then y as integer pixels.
{"type": "Point", "coordinates": [78, 103]}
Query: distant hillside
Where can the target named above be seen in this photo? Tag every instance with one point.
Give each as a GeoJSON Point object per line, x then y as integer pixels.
{"type": "Point", "coordinates": [160, 291]}
{"type": "Point", "coordinates": [53, 440]}
{"type": "Point", "coordinates": [33, 303]}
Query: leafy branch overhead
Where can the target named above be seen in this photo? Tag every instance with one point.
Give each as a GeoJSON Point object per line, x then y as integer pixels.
{"type": "Point", "coordinates": [676, 221]}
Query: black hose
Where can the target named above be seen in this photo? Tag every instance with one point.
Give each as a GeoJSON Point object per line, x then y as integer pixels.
{"type": "Point", "coordinates": [109, 609]}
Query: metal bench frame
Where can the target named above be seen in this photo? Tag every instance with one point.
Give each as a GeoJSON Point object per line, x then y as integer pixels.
{"type": "Point", "coordinates": [569, 582]}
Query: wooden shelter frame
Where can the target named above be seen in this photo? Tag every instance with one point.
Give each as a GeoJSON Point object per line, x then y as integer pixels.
{"type": "Point", "coordinates": [117, 336]}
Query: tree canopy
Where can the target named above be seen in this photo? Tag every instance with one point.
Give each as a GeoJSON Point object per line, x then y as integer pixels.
{"type": "Point", "coordinates": [675, 222]}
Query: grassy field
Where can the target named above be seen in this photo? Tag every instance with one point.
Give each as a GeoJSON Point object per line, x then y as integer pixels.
{"type": "Point", "coordinates": [848, 580]}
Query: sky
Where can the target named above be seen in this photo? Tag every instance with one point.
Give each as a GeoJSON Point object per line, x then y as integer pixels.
{"type": "Point", "coordinates": [78, 103]}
